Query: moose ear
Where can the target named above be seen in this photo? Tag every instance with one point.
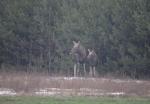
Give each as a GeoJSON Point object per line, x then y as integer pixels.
{"type": "Point", "coordinates": [78, 42]}
{"type": "Point", "coordinates": [74, 42]}
{"type": "Point", "coordinates": [89, 50]}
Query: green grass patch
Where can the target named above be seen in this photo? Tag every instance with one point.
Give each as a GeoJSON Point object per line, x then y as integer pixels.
{"type": "Point", "coordinates": [71, 100]}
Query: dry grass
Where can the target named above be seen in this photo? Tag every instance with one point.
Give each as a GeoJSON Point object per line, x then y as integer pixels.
{"type": "Point", "coordinates": [27, 83]}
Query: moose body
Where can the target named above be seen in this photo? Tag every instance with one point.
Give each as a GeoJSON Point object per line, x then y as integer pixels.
{"type": "Point", "coordinates": [79, 56]}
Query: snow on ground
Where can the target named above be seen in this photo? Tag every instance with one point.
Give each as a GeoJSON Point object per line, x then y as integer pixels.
{"type": "Point", "coordinates": [77, 92]}
{"type": "Point", "coordinates": [63, 92]}
{"type": "Point", "coordinates": [5, 92]}
{"type": "Point", "coordinates": [95, 79]}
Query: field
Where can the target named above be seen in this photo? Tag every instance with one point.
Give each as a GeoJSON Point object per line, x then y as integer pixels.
{"type": "Point", "coordinates": [17, 84]}
{"type": "Point", "coordinates": [23, 88]}
{"type": "Point", "coordinates": [71, 100]}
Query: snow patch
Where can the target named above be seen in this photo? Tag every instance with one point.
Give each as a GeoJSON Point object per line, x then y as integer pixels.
{"type": "Point", "coordinates": [5, 91]}
{"type": "Point", "coordinates": [78, 92]}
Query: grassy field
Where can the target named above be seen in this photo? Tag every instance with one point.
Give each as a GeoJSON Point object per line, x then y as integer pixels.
{"type": "Point", "coordinates": [71, 100]}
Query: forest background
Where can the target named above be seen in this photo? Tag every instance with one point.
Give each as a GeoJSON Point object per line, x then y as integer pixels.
{"type": "Point", "coordinates": [37, 35]}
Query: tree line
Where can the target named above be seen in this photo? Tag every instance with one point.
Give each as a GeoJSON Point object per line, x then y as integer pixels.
{"type": "Point", "coordinates": [37, 35]}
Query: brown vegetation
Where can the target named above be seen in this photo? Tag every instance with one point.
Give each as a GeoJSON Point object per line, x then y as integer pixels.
{"type": "Point", "coordinates": [27, 83]}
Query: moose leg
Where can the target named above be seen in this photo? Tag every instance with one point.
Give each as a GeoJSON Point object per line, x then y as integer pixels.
{"type": "Point", "coordinates": [75, 70]}
{"type": "Point", "coordinates": [94, 71]}
{"type": "Point", "coordinates": [78, 68]}
{"type": "Point", "coordinates": [90, 71]}
{"type": "Point", "coordinates": [84, 69]}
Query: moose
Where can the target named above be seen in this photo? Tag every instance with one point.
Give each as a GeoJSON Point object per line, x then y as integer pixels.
{"type": "Point", "coordinates": [80, 56]}
{"type": "Point", "coordinates": [92, 61]}
{"type": "Point", "coordinates": [78, 53]}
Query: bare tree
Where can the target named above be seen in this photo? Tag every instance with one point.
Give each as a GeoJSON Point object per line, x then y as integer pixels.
{"type": "Point", "coordinates": [78, 53]}
{"type": "Point", "coordinates": [92, 61]}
